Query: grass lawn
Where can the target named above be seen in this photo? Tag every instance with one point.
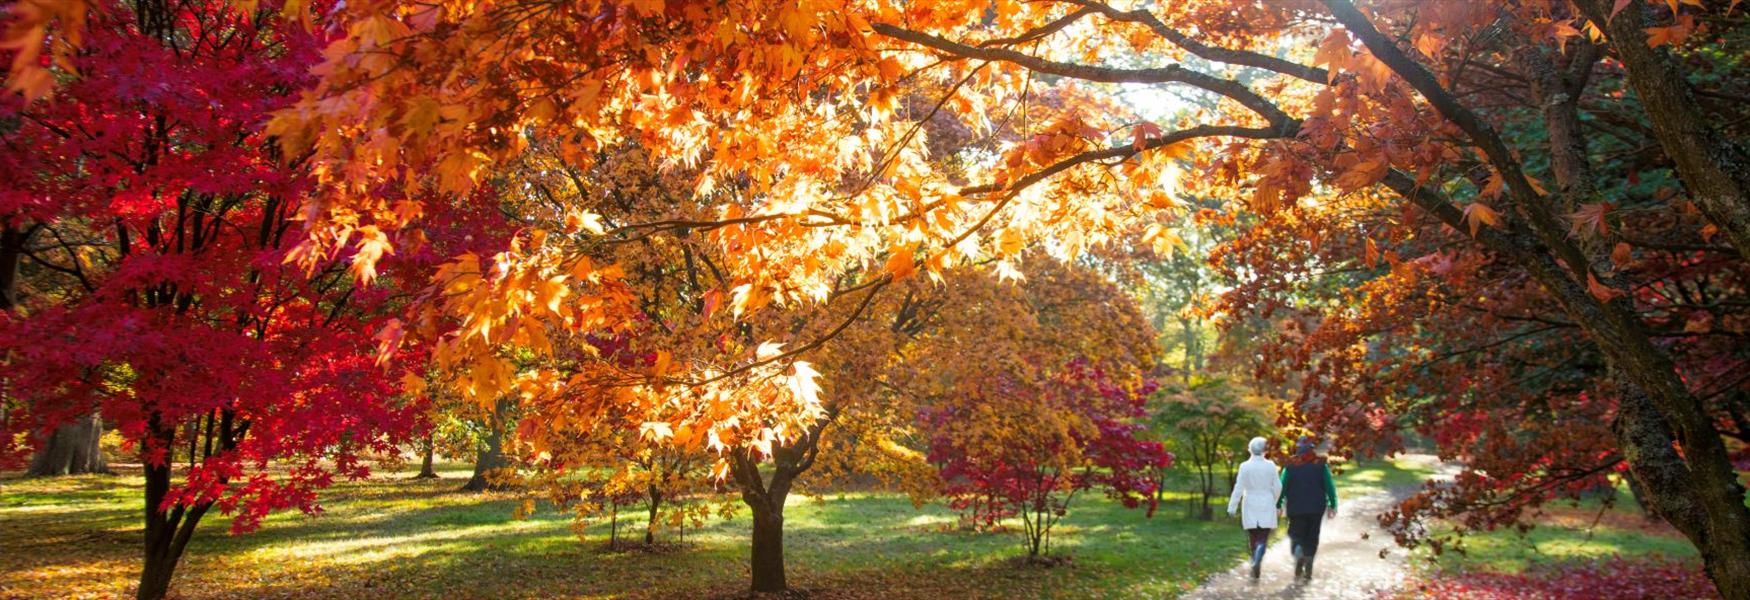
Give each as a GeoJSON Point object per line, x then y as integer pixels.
{"type": "Point", "coordinates": [1362, 477]}
{"type": "Point", "coordinates": [395, 537]}
{"type": "Point", "coordinates": [1581, 549]}
{"type": "Point", "coordinates": [1568, 532]}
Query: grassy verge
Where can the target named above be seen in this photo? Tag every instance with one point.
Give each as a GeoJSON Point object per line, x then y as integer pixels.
{"type": "Point", "coordinates": [1569, 532]}
{"type": "Point", "coordinates": [1574, 552]}
{"type": "Point", "coordinates": [1354, 478]}
{"type": "Point", "coordinates": [1586, 549]}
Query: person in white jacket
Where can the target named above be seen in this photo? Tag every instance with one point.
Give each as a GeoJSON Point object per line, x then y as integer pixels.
{"type": "Point", "coordinates": [1255, 492]}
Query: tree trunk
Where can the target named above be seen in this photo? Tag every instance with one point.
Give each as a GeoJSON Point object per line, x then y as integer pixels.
{"type": "Point", "coordinates": [167, 531]}
{"type": "Point", "coordinates": [165, 544]}
{"type": "Point", "coordinates": [1190, 348]}
{"type": "Point", "coordinates": [1160, 483]}
{"type": "Point", "coordinates": [159, 564]}
{"type": "Point", "coordinates": [1204, 512]}
{"type": "Point", "coordinates": [1705, 480]}
{"type": "Point", "coordinates": [12, 243]}
{"type": "Point", "coordinates": [765, 498]}
{"type": "Point", "coordinates": [1670, 490]}
{"type": "Point", "coordinates": [1034, 518]}
{"type": "Point", "coordinates": [155, 579]}
{"type": "Point", "coordinates": [613, 523]}
{"type": "Point", "coordinates": [650, 523]}
{"type": "Point", "coordinates": [1206, 476]}
{"type": "Point", "coordinates": [426, 470]}
{"type": "Point", "coordinates": [491, 455]}
{"type": "Point", "coordinates": [72, 449]}
{"type": "Point", "coordinates": [768, 547]}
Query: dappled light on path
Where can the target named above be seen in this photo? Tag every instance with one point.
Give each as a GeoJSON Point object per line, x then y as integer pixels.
{"type": "Point", "coordinates": [1349, 563]}
{"type": "Point", "coordinates": [1356, 560]}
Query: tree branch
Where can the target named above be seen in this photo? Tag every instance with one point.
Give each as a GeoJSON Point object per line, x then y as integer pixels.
{"type": "Point", "coordinates": [1169, 74]}
{"type": "Point", "coordinates": [1244, 58]}
{"type": "Point", "coordinates": [1481, 133]}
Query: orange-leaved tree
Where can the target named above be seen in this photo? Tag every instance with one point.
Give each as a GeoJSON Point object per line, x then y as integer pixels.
{"type": "Point", "coordinates": [1033, 392]}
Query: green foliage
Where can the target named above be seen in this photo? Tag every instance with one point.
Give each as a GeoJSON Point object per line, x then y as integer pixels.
{"type": "Point", "coordinates": [1206, 425]}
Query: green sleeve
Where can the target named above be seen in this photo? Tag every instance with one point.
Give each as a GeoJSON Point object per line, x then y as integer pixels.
{"type": "Point", "coordinates": [1282, 497]}
{"type": "Point", "coordinates": [1330, 489]}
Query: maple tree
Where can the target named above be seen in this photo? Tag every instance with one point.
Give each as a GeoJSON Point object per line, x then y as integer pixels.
{"type": "Point", "coordinates": [1206, 425]}
{"type": "Point", "coordinates": [603, 420]}
{"type": "Point", "coordinates": [621, 459]}
{"type": "Point", "coordinates": [151, 219]}
{"type": "Point", "coordinates": [655, 474]}
{"type": "Point", "coordinates": [1043, 444]}
{"type": "Point", "coordinates": [1031, 392]}
{"type": "Point", "coordinates": [608, 467]}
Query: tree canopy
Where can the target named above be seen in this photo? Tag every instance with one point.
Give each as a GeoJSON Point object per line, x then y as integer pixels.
{"type": "Point", "coordinates": [1517, 228]}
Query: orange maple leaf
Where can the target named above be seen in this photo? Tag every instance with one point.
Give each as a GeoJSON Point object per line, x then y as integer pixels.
{"type": "Point", "coordinates": [1477, 213]}
{"type": "Point", "coordinates": [1673, 34]}
{"type": "Point", "coordinates": [1334, 52]}
{"type": "Point", "coordinates": [901, 264]}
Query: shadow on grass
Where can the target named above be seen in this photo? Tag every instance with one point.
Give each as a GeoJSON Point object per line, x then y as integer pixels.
{"type": "Point", "coordinates": [404, 538]}
{"type": "Point", "coordinates": [482, 571]}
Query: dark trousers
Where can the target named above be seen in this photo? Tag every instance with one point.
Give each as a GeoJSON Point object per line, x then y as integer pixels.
{"type": "Point", "coordinates": [1256, 536]}
{"type": "Point", "coordinates": [1303, 532]}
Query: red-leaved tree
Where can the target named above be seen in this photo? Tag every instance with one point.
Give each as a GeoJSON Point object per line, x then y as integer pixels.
{"type": "Point", "coordinates": [1027, 448]}
{"type": "Point", "coordinates": [147, 223]}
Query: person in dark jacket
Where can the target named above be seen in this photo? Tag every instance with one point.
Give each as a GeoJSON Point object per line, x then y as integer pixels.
{"type": "Point", "coordinates": [1308, 497]}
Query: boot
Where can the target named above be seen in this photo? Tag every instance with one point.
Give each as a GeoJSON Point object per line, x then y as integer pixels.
{"type": "Point", "coordinates": [1306, 571]}
{"type": "Point", "coordinates": [1257, 560]}
{"type": "Point", "coordinates": [1299, 567]}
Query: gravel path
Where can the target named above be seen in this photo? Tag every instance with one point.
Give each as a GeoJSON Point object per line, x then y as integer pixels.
{"type": "Point", "coordinates": [1357, 559]}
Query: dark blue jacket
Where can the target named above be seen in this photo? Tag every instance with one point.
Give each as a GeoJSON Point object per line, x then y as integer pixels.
{"type": "Point", "coordinates": [1307, 488]}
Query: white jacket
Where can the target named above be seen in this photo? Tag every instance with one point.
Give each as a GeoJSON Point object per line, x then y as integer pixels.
{"type": "Point", "coordinates": [1255, 492]}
